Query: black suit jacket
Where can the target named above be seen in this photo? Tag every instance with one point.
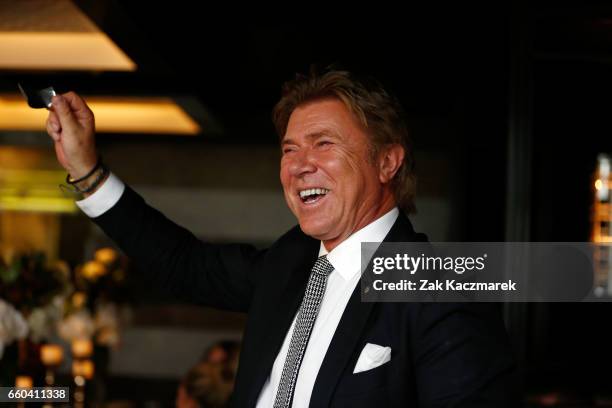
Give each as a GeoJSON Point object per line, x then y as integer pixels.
{"type": "Point", "coordinates": [443, 355]}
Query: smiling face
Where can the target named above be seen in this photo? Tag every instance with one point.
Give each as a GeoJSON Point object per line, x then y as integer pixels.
{"type": "Point", "coordinates": [331, 182]}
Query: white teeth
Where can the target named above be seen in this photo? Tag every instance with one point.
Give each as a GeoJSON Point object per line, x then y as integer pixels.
{"type": "Point", "coordinates": [313, 191]}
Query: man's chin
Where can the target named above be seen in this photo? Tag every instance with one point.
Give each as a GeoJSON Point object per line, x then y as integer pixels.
{"type": "Point", "coordinates": [315, 231]}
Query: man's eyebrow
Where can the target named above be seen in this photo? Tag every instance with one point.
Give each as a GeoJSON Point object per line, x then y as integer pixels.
{"type": "Point", "coordinates": [287, 141]}
{"type": "Point", "coordinates": [312, 135]}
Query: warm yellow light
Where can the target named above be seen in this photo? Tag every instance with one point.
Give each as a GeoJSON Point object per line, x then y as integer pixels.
{"type": "Point", "coordinates": [83, 368]}
{"type": "Point", "coordinates": [82, 348]}
{"type": "Point", "coordinates": [55, 35]}
{"type": "Point", "coordinates": [34, 190]}
{"type": "Point", "coordinates": [92, 270]}
{"type": "Point", "coordinates": [79, 299]}
{"type": "Point", "coordinates": [105, 255]}
{"type": "Point", "coordinates": [62, 51]}
{"type": "Point", "coordinates": [160, 115]}
{"type": "Point", "coordinates": [37, 204]}
{"type": "Point", "coordinates": [51, 354]}
{"type": "Point", "coordinates": [113, 115]}
{"type": "Point", "coordinates": [598, 184]}
{"type": "Point", "coordinates": [23, 381]}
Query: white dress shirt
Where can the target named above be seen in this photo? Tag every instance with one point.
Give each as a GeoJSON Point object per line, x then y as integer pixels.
{"type": "Point", "coordinates": [346, 260]}
{"type": "Point", "coordinates": [104, 198]}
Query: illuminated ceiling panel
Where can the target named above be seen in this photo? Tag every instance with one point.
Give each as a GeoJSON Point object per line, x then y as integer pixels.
{"type": "Point", "coordinates": [113, 115]}
{"type": "Point", "coordinates": [62, 51]}
{"type": "Point", "coordinates": [55, 35]}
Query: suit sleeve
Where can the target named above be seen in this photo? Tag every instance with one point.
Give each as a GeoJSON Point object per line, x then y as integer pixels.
{"type": "Point", "coordinates": [463, 357]}
{"type": "Point", "coordinates": [221, 276]}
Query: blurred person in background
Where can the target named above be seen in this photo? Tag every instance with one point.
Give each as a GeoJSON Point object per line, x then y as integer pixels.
{"type": "Point", "coordinates": [210, 382]}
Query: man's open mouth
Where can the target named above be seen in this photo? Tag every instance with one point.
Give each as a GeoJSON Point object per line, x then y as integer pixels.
{"type": "Point", "coordinates": [312, 195]}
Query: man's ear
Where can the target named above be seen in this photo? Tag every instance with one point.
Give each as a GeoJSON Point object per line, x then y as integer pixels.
{"type": "Point", "coordinates": [390, 159]}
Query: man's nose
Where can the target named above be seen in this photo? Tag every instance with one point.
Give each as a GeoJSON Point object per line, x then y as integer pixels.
{"type": "Point", "coordinates": [303, 162]}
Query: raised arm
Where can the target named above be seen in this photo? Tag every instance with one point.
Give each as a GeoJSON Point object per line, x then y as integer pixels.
{"type": "Point", "coordinates": [217, 275]}
{"type": "Point", "coordinates": [71, 125]}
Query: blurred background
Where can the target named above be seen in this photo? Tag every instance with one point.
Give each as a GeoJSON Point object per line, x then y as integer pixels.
{"type": "Point", "coordinates": [509, 107]}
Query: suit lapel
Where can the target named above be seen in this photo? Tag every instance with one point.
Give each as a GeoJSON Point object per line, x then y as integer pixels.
{"type": "Point", "coordinates": [349, 330]}
{"type": "Point", "coordinates": [296, 263]}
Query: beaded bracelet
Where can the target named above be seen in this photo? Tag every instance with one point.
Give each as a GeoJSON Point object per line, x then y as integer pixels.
{"type": "Point", "coordinates": [103, 173]}
{"type": "Point", "coordinates": [85, 177]}
{"type": "Point", "coordinates": [74, 189]}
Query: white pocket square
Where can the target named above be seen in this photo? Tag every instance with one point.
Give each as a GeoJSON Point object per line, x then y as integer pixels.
{"type": "Point", "coordinates": [372, 356]}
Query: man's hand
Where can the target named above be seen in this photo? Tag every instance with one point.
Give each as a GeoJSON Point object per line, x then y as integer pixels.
{"type": "Point", "coordinates": [71, 125]}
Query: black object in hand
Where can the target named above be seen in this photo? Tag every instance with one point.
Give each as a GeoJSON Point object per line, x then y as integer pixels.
{"type": "Point", "coordinates": [37, 98]}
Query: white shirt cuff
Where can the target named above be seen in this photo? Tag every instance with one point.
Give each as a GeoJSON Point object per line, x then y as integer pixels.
{"type": "Point", "coordinates": [104, 198]}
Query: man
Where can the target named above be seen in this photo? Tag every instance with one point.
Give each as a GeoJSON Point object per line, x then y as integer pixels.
{"type": "Point", "coordinates": [210, 382]}
{"type": "Point", "coordinates": [346, 167]}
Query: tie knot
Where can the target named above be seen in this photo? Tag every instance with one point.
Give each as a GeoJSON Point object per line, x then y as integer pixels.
{"type": "Point", "coordinates": [323, 266]}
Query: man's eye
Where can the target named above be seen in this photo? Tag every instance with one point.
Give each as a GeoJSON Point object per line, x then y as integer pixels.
{"type": "Point", "coordinates": [288, 150]}
{"type": "Point", "coordinates": [324, 143]}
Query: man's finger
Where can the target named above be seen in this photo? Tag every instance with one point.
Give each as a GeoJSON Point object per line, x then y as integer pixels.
{"type": "Point", "coordinates": [77, 105]}
{"type": "Point", "coordinates": [64, 113]}
{"type": "Point", "coordinates": [52, 132]}
{"type": "Point", "coordinates": [54, 121]}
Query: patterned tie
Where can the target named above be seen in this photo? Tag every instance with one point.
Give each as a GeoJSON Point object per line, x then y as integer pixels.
{"type": "Point", "coordinates": [301, 332]}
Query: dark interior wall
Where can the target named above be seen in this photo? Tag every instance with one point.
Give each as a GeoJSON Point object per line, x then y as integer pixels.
{"type": "Point", "coordinates": [568, 342]}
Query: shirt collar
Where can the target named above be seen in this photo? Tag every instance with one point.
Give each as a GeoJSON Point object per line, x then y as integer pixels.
{"type": "Point", "coordinates": [346, 257]}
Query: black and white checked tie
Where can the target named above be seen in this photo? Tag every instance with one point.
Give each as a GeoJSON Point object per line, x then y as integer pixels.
{"type": "Point", "coordinates": [301, 332]}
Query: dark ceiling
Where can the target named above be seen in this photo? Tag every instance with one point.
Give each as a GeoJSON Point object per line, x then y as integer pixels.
{"type": "Point", "coordinates": [236, 68]}
{"type": "Point", "coordinates": [440, 61]}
